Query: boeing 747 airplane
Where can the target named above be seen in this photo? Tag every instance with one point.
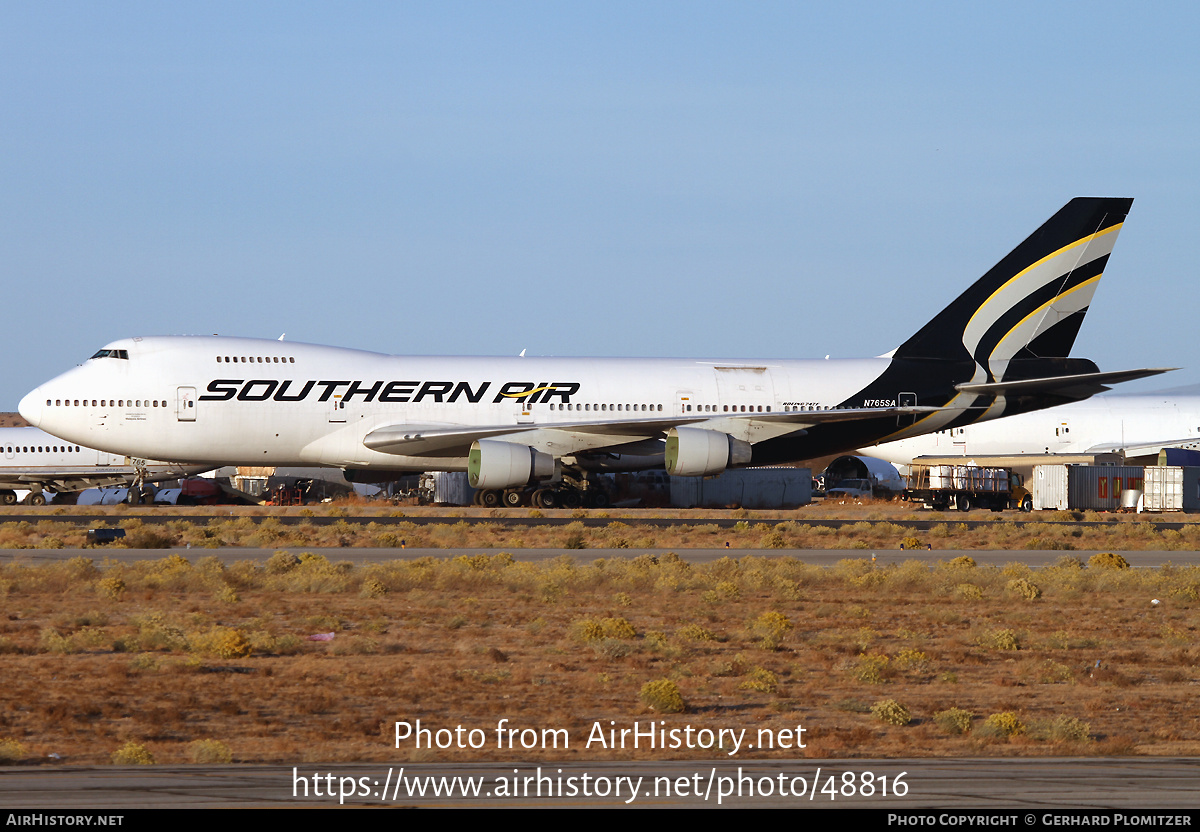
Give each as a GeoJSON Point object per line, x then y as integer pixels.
{"type": "Point", "coordinates": [535, 428]}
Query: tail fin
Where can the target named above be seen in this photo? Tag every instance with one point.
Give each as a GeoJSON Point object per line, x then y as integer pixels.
{"type": "Point", "coordinates": [1031, 303]}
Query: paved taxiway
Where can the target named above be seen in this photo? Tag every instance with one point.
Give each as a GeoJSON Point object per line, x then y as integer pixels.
{"type": "Point", "coordinates": [1132, 785]}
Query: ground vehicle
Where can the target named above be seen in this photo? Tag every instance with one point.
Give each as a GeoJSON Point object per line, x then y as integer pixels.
{"type": "Point", "coordinates": [967, 487]}
{"type": "Point", "coordinates": [850, 488]}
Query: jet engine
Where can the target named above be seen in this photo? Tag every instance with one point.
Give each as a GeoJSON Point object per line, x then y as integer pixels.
{"type": "Point", "coordinates": [495, 464]}
{"type": "Point", "coordinates": [694, 452]}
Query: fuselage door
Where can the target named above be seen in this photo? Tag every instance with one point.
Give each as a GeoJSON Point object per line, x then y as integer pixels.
{"type": "Point", "coordinates": [683, 399]}
{"type": "Point", "coordinates": [338, 411]}
{"type": "Point", "coordinates": [185, 404]}
{"type": "Point", "coordinates": [1062, 432]}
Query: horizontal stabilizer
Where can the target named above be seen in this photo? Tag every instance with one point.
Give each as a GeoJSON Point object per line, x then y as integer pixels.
{"type": "Point", "coordinates": [1078, 386]}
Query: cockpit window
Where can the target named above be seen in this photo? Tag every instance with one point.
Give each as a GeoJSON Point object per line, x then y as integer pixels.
{"type": "Point", "coordinates": [112, 354]}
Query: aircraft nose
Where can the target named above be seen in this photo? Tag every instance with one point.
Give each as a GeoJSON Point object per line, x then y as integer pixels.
{"type": "Point", "coordinates": [31, 406]}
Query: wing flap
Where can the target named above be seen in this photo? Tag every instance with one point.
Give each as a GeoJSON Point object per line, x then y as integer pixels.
{"type": "Point", "coordinates": [423, 440]}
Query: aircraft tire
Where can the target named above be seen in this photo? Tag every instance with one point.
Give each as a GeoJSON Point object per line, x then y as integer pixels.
{"type": "Point", "coordinates": [8, 498]}
{"type": "Point", "coordinates": [545, 498]}
{"type": "Point", "coordinates": [490, 498]}
{"type": "Point", "coordinates": [514, 497]}
{"type": "Point", "coordinates": [572, 499]}
{"type": "Point", "coordinates": [598, 498]}
{"type": "Point", "coordinates": [36, 499]}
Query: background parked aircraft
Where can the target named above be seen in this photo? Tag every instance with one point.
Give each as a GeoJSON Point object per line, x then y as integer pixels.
{"type": "Point", "coordinates": [35, 461]}
{"type": "Point", "coordinates": [1139, 426]}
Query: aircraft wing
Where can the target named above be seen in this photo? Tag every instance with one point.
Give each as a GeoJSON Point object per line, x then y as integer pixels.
{"type": "Point", "coordinates": [1144, 448]}
{"type": "Point", "coordinates": [1079, 386]}
{"type": "Point", "coordinates": [65, 479]}
{"type": "Point", "coordinates": [560, 437]}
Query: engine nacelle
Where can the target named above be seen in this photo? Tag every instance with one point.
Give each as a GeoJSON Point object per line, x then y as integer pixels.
{"type": "Point", "coordinates": [495, 464]}
{"type": "Point", "coordinates": [694, 452]}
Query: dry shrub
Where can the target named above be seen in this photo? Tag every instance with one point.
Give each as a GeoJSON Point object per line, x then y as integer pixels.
{"type": "Point", "coordinates": [210, 752]}
{"type": "Point", "coordinates": [770, 629]}
{"type": "Point", "coordinates": [81, 568]}
{"type": "Point", "coordinates": [1055, 673]}
{"type": "Point", "coordinates": [1001, 725]}
{"type": "Point", "coordinates": [727, 591]}
{"type": "Point", "coordinates": [147, 538]}
{"type": "Point", "coordinates": [1061, 729]}
{"type": "Point", "coordinates": [774, 540]}
{"type": "Point", "coordinates": [694, 632]}
{"type": "Point", "coordinates": [588, 630]}
{"type": "Point", "coordinates": [52, 641]}
{"type": "Point", "coordinates": [953, 720]}
{"type": "Point", "coordinates": [222, 643]}
{"type": "Point", "coordinates": [11, 751]}
{"type": "Point", "coordinates": [663, 695]}
{"type": "Point", "coordinates": [281, 562]}
{"type": "Point", "coordinates": [873, 669]}
{"type": "Point", "coordinates": [132, 754]}
{"type": "Point", "coordinates": [112, 588]}
{"type": "Point", "coordinates": [372, 588]}
{"type": "Point", "coordinates": [226, 594]}
{"type": "Point", "coordinates": [156, 633]}
{"type": "Point", "coordinates": [1023, 588]}
{"type": "Point", "coordinates": [969, 592]}
{"type": "Point", "coordinates": [1107, 560]}
{"type": "Point", "coordinates": [910, 659]}
{"type": "Point", "coordinates": [891, 712]}
{"type": "Point", "coordinates": [1000, 639]}
{"type": "Point", "coordinates": [760, 679]}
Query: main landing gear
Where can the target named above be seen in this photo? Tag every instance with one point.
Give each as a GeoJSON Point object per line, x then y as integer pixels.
{"type": "Point", "coordinates": [577, 494]}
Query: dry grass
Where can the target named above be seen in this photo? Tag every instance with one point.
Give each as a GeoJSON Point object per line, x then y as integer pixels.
{"type": "Point", "coordinates": [621, 529]}
{"type": "Point", "coordinates": [193, 658]}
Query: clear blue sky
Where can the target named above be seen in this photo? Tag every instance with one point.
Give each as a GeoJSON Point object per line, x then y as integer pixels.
{"type": "Point", "coordinates": [774, 180]}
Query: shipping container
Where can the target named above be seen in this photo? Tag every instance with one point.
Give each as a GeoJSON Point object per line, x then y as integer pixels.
{"type": "Point", "coordinates": [757, 488]}
{"type": "Point", "coordinates": [1172, 488]}
{"type": "Point", "coordinates": [1083, 487]}
{"type": "Point", "coordinates": [451, 488]}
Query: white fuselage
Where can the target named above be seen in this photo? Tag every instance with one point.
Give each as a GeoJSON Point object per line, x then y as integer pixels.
{"type": "Point", "coordinates": [257, 402]}
{"type": "Point", "coordinates": [1136, 424]}
{"type": "Point", "coordinates": [31, 457]}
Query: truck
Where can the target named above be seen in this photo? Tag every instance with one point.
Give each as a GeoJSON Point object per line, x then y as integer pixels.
{"type": "Point", "coordinates": [967, 487]}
